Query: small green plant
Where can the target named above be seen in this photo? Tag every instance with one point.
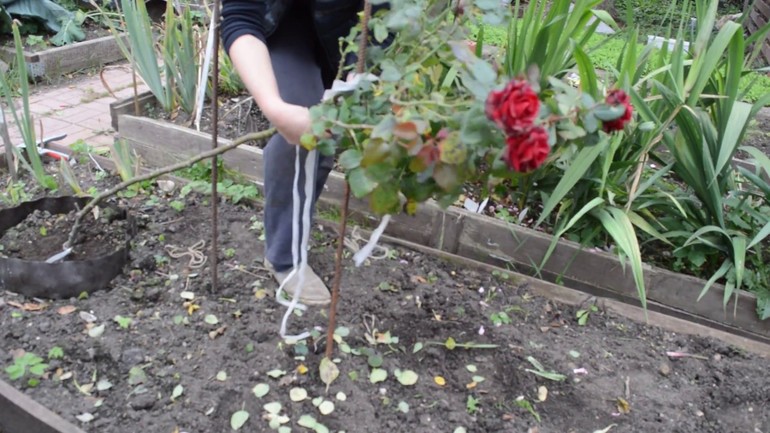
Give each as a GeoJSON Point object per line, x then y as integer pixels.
{"type": "Point", "coordinates": [56, 352]}
{"type": "Point", "coordinates": [583, 314]}
{"type": "Point", "coordinates": [36, 41]}
{"type": "Point", "coordinates": [15, 193]}
{"type": "Point", "coordinates": [500, 318]}
{"type": "Point", "coordinates": [123, 322]}
{"type": "Point", "coordinates": [27, 364]}
{"type": "Point", "coordinates": [526, 405]}
{"type": "Point", "coordinates": [177, 205]}
{"type": "Point", "coordinates": [230, 253]}
{"type": "Point", "coordinates": [472, 405]}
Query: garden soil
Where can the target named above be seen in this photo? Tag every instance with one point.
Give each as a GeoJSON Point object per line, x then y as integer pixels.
{"type": "Point", "coordinates": [214, 347]}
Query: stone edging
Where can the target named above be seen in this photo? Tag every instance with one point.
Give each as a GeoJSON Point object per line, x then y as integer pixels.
{"type": "Point", "coordinates": [481, 238]}
{"type": "Point", "coordinates": [58, 61]}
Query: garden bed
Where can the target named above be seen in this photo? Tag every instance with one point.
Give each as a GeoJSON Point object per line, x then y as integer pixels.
{"type": "Point", "coordinates": [175, 367]}
{"type": "Point", "coordinates": [482, 238]}
{"type": "Point", "coordinates": [58, 61]}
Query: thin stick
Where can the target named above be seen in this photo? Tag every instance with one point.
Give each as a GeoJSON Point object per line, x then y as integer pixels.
{"type": "Point", "coordinates": [9, 156]}
{"type": "Point", "coordinates": [344, 217]}
{"type": "Point", "coordinates": [214, 142]}
{"type": "Point", "coordinates": [160, 172]}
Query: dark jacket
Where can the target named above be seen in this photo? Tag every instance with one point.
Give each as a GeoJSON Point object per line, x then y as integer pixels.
{"type": "Point", "coordinates": [333, 19]}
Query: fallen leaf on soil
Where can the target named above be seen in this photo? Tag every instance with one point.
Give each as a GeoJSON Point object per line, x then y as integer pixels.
{"type": "Point", "coordinates": [222, 376]}
{"type": "Point", "coordinates": [27, 306]}
{"type": "Point", "coordinates": [605, 430]}
{"type": "Point", "coordinates": [297, 394]}
{"type": "Point", "coordinates": [87, 317]}
{"type": "Point", "coordinates": [67, 309]}
{"type": "Point", "coordinates": [187, 295]}
{"type": "Point", "coordinates": [326, 407]}
{"type": "Point", "coordinates": [542, 393]}
{"type": "Point", "coordinates": [403, 407]}
{"type": "Point", "coordinates": [328, 371]}
{"type": "Point", "coordinates": [191, 307]}
{"type": "Point", "coordinates": [260, 294]}
{"type": "Point", "coordinates": [378, 375]}
{"type": "Point", "coordinates": [85, 417]}
{"type": "Point", "coordinates": [211, 319]}
{"type": "Point", "coordinates": [406, 377]}
{"type": "Point", "coordinates": [623, 406]}
{"type": "Point", "coordinates": [272, 407]}
{"type": "Point", "coordinates": [275, 374]}
{"type": "Point", "coordinates": [261, 389]}
{"type": "Point", "coordinates": [177, 392]}
{"type": "Point", "coordinates": [238, 419]}
{"type": "Point", "coordinates": [96, 331]}
{"type": "Point", "coordinates": [417, 279]}
{"type": "Point", "coordinates": [65, 376]}
{"type": "Point", "coordinates": [302, 369]}
{"type": "Point", "coordinates": [217, 332]}
{"type": "Point", "coordinates": [341, 396]}
{"type": "Point", "coordinates": [307, 421]}
{"type": "Point", "coordinates": [472, 385]}
{"type": "Point", "coordinates": [440, 381]}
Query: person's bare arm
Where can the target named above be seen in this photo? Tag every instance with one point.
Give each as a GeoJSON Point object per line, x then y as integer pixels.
{"type": "Point", "coordinates": [252, 61]}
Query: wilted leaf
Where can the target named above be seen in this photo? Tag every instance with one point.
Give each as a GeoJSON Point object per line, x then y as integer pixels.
{"type": "Point", "coordinates": [328, 371]}
{"type": "Point", "coordinates": [276, 373]}
{"type": "Point", "coordinates": [103, 385]}
{"type": "Point", "coordinates": [211, 319]}
{"type": "Point", "coordinates": [297, 394]}
{"type": "Point", "coordinates": [85, 417]}
{"type": "Point", "coordinates": [177, 392]}
{"type": "Point", "coordinates": [450, 343]}
{"type": "Point", "coordinates": [623, 406]}
{"type": "Point", "coordinates": [440, 381]}
{"type": "Point", "coordinates": [542, 393]}
{"type": "Point", "coordinates": [222, 376]}
{"type": "Point", "coordinates": [67, 309]}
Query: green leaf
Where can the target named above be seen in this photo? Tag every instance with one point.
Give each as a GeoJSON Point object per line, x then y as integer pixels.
{"type": "Point", "coordinates": [605, 112]}
{"type": "Point", "coordinates": [38, 369]}
{"type": "Point", "coordinates": [350, 159]}
{"type": "Point", "coordinates": [572, 176]}
{"type": "Point", "coordinates": [360, 184]}
{"type": "Point", "coordinates": [177, 392]}
{"type": "Point", "coordinates": [15, 371]}
{"type": "Point", "coordinates": [619, 227]}
{"type": "Point", "coordinates": [238, 419]}
{"type": "Point", "coordinates": [260, 390]}
{"type": "Point", "coordinates": [384, 199]}
{"type": "Point", "coordinates": [378, 375]}
{"type": "Point", "coordinates": [406, 377]}
{"type": "Point", "coordinates": [739, 259]}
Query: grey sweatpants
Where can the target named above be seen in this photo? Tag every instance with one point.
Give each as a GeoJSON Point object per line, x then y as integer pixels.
{"type": "Point", "coordinates": [294, 58]}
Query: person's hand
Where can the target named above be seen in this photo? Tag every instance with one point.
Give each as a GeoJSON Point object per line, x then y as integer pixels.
{"type": "Point", "coordinates": [290, 120]}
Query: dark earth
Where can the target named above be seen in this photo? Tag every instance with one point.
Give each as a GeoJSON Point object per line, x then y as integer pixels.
{"type": "Point", "coordinates": [219, 345]}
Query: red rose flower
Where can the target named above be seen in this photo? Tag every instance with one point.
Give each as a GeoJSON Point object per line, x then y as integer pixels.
{"type": "Point", "coordinates": [528, 150]}
{"type": "Point", "coordinates": [514, 108]}
{"type": "Point", "coordinates": [614, 98]}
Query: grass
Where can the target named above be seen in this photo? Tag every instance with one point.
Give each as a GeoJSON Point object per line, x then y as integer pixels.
{"type": "Point", "coordinates": [604, 52]}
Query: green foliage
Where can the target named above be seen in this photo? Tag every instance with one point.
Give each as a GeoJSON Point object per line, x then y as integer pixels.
{"type": "Point", "coordinates": [56, 352]}
{"type": "Point", "coordinates": [15, 193]}
{"type": "Point", "coordinates": [125, 160]}
{"type": "Point", "coordinates": [29, 365]}
{"type": "Point", "coordinates": [24, 119]}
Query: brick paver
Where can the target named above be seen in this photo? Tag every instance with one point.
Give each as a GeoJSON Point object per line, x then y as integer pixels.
{"type": "Point", "coordinates": [82, 111]}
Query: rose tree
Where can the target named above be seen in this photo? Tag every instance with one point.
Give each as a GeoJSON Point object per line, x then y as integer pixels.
{"type": "Point", "coordinates": [437, 116]}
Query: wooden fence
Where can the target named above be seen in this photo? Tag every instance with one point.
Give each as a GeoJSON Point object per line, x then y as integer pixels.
{"type": "Point", "coordinates": [758, 17]}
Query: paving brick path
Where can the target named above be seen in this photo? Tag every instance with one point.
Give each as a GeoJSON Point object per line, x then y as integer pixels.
{"type": "Point", "coordinates": [80, 109]}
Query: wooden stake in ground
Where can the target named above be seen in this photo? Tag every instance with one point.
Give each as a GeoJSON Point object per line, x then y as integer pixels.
{"type": "Point", "coordinates": [213, 258]}
{"type": "Point", "coordinates": [344, 216]}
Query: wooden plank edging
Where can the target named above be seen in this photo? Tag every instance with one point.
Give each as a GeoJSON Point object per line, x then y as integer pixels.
{"type": "Point", "coordinates": [21, 414]}
{"type": "Point", "coordinates": [62, 60]}
{"type": "Point", "coordinates": [478, 237]}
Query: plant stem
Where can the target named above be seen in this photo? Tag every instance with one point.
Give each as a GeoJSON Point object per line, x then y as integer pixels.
{"type": "Point", "coordinates": [344, 217]}
{"type": "Point", "coordinates": [337, 274]}
{"type": "Point", "coordinates": [159, 172]}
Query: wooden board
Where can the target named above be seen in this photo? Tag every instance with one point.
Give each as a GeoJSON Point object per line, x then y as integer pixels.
{"type": "Point", "coordinates": [58, 61]}
{"type": "Point", "coordinates": [21, 414]}
{"type": "Point", "coordinates": [759, 15]}
{"type": "Point", "coordinates": [478, 237]}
